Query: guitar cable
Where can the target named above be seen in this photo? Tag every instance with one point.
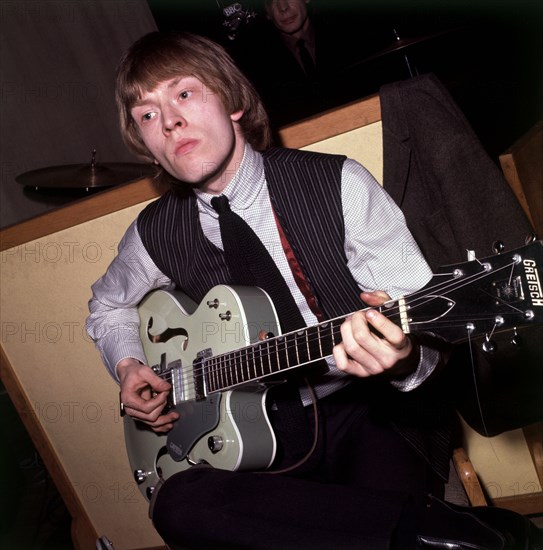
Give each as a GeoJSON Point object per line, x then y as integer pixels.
{"type": "Point", "coordinates": [308, 455]}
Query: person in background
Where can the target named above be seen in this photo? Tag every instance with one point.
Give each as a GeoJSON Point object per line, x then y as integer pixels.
{"type": "Point", "coordinates": [297, 32]}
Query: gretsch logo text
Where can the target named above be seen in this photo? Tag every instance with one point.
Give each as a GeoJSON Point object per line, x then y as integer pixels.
{"type": "Point", "coordinates": [534, 283]}
{"type": "Point", "coordinates": [175, 449]}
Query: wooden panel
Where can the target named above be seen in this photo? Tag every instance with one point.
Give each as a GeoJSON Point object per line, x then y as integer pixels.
{"type": "Point", "coordinates": [522, 166]}
{"type": "Point", "coordinates": [331, 123]}
{"type": "Point", "coordinates": [56, 378]}
{"type": "Point", "coordinates": [77, 212]}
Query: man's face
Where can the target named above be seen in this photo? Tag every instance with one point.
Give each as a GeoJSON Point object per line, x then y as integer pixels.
{"type": "Point", "coordinates": [189, 133]}
{"type": "Point", "coordinates": [288, 16]}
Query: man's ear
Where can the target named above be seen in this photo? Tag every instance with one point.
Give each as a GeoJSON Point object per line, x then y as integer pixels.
{"type": "Point", "coordinates": [236, 115]}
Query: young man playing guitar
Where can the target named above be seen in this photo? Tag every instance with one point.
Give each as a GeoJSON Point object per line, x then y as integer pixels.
{"type": "Point", "coordinates": [357, 465]}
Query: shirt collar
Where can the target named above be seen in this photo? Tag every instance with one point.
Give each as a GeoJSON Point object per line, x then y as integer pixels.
{"type": "Point", "coordinates": [244, 187]}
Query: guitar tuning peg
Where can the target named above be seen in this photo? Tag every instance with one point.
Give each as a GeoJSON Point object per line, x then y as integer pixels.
{"type": "Point", "coordinates": [489, 346]}
{"type": "Point", "coordinates": [516, 340]}
{"type": "Point", "coordinates": [530, 238]}
{"type": "Point", "coordinates": [498, 247]}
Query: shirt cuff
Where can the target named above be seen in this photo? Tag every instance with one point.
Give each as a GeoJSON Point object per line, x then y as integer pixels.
{"type": "Point", "coordinates": [428, 361]}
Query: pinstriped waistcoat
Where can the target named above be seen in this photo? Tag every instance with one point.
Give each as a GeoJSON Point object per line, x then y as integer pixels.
{"type": "Point", "coordinates": [305, 191]}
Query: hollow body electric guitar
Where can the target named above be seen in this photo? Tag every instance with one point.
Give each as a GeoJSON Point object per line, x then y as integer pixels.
{"type": "Point", "coordinates": [219, 355]}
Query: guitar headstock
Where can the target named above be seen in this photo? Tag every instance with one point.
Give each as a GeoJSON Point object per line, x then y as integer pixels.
{"type": "Point", "coordinates": [483, 296]}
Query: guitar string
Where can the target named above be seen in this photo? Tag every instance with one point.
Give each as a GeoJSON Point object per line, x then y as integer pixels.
{"type": "Point", "coordinates": [225, 360]}
{"type": "Point", "coordinates": [235, 370]}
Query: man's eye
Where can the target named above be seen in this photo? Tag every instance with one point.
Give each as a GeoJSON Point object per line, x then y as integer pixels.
{"type": "Point", "coordinates": [185, 94]}
{"type": "Point", "coordinates": [147, 116]}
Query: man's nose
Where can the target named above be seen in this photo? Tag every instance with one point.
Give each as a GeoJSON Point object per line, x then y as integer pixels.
{"type": "Point", "coordinates": [283, 5]}
{"type": "Point", "coordinates": [172, 119]}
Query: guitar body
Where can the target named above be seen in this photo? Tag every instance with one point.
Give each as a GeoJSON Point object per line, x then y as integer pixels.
{"type": "Point", "coordinates": [229, 430]}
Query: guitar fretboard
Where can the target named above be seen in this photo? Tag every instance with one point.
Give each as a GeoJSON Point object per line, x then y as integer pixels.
{"type": "Point", "coordinates": [271, 356]}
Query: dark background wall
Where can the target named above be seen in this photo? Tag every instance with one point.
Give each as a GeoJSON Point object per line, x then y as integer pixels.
{"type": "Point", "coordinates": [57, 65]}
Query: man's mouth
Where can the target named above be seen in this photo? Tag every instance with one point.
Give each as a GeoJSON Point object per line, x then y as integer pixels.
{"type": "Point", "coordinates": [288, 21]}
{"type": "Point", "coordinates": [185, 146]}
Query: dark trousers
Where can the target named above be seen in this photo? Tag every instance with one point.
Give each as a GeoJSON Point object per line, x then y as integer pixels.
{"type": "Point", "coordinates": [350, 494]}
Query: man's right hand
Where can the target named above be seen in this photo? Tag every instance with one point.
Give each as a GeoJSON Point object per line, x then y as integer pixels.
{"type": "Point", "coordinates": [144, 394]}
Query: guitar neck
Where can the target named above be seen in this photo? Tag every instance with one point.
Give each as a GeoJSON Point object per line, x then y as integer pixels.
{"type": "Point", "coordinates": [271, 356]}
{"type": "Point", "coordinates": [278, 354]}
{"type": "Point", "coordinates": [459, 303]}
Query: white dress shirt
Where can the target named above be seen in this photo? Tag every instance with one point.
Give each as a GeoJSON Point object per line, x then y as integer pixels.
{"type": "Point", "coordinates": [381, 253]}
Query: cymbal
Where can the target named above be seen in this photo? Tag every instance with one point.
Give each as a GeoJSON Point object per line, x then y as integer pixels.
{"type": "Point", "coordinates": [92, 176]}
{"type": "Point", "coordinates": [400, 44]}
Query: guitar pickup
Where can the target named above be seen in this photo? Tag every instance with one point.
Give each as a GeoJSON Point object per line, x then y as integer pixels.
{"type": "Point", "coordinates": [509, 291]}
{"type": "Point", "coordinates": [200, 385]}
{"type": "Point", "coordinates": [176, 380]}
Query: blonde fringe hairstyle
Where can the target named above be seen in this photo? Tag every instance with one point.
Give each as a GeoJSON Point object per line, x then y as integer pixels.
{"type": "Point", "coordinates": [157, 57]}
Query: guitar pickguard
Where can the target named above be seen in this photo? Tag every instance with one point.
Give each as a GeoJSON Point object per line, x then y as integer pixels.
{"type": "Point", "coordinates": [198, 418]}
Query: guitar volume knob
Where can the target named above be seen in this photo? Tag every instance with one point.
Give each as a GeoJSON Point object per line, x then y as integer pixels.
{"type": "Point", "coordinates": [215, 443]}
{"type": "Point", "coordinates": [140, 476]}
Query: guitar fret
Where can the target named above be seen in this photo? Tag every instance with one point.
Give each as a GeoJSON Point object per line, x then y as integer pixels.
{"type": "Point", "coordinates": [223, 373]}
{"type": "Point", "coordinates": [259, 359]}
{"type": "Point", "coordinates": [282, 349]}
{"type": "Point", "coordinates": [255, 375]}
{"type": "Point", "coordinates": [209, 375]}
{"type": "Point", "coordinates": [291, 350]}
{"type": "Point", "coordinates": [268, 363]}
{"type": "Point", "coordinates": [243, 365]}
{"type": "Point", "coordinates": [274, 359]}
{"type": "Point", "coordinates": [216, 373]}
{"type": "Point", "coordinates": [230, 372]}
{"type": "Point", "coordinates": [326, 341]}
{"type": "Point", "coordinates": [231, 369]}
{"type": "Point", "coordinates": [238, 367]}
{"type": "Point", "coordinates": [302, 350]}
{"type": "Point", "coordinates": [319, 339]}
{"type": "Point", "coordinates": [313, 343]}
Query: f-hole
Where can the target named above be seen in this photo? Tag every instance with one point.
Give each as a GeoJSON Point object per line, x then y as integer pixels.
{"type": "Point", "coordinates": [168, 334]}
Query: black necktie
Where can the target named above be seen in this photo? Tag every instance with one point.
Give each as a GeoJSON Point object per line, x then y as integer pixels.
{"type": "Point", "coordinates": [250, 264]}
{"type": "Point", "coordinates": [307, 61]}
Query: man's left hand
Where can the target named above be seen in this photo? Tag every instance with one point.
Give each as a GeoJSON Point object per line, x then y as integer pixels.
{"type": "Point", "coordinates": [364, 352]}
